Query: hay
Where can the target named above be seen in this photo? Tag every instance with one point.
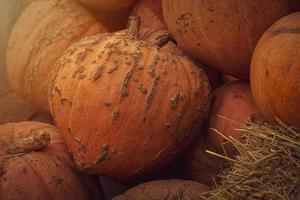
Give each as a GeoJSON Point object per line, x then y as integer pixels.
{"type": "Point", "coordinates": [267, 167]}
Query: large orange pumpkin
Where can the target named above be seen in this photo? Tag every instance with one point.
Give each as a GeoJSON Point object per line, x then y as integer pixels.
{"type": "Point", "coordinates": [42, 33]}
{"type": "Point", "coordinates": [232, 107]}
{"type": "Point", "coordinates": [125, 106]}
{"type": "Point", "coordinates": [223, 34]}
{"type": "Point", "coordinates": [34, 165]}
{"type": "Point", "coordinates": [275, 71]}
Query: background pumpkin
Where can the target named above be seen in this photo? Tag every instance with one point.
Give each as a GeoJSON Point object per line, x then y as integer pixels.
{"type": "Point", "coordinates": [112, 13]}
{"type": "Point", "coordinates": [12, 107]}
{"type": "Point", "coordinates": [223, 34]}
{"type": "Point", "coordinates": [46, 173]}
{"type": "Point", "coordinates": [9, 12]}
{"type": "Point", "coordinates": [124, 99]}
{"type": "Point", "coordinates": [40, 36]}
{"type": "Point", "coordinates": [164, 189]}
{"type": "Point", "coordinates": [275, 71]}
{"type": "Point", "coordinates": [232, 107]}
{"type": "Point", "coordinates": [151, 19]}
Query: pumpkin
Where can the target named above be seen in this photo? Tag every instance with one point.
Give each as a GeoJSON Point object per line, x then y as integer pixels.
{"type": "Point", "coordinates": [9, 12]}
{"type": "Point", "coordinates": [34, 165]}
{"type": "Point", "coordinates": [115, 98]}
{"type": "Point", "coordinates": [108, 5]}
{"type": "Point", "coordinates": [151, 19]}
{"type": "Point", "coordinates": [15, 109]}
{"type": "Point", "coordinates": [42, 33]}
{"type": "Point", "coordinates": [165, 189]}
{"type": "Point", "coordinates": [223, 34]}
{"type": "Point", "coordinates": [232, 108]}
{"type": "Point", "coordinates": [12, 107]}
{"type": "Point", "coordinates": [275, 71]}
{"type": "Point", "coordinates": [112, 13]}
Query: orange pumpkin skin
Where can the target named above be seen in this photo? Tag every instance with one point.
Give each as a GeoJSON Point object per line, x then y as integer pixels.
{"type": "Point", "coordinates": [112, 13]}
{"type": "Point", "coordinates": [223, 34]}
{"type": "Point", "coordinates": [108, 5]}
{"type": "Point", "coordinates": [126, 107]}
{"type": "Point", "coordinates": [234, 102]}
{"type": "Point", "coordinates": [151, 19]}
{"type": "Point", "coordinates": [42, 33]}
{"type": "Point", "coordinates": [275, 71]}
{"type": "Point", "coordinates": [45, 174]}
{"type": "Point", "coordinates": [164, 189]}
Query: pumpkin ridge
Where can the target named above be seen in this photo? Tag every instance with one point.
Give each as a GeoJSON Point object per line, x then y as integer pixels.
{"type": "Point", "coordinates": [284, 30]}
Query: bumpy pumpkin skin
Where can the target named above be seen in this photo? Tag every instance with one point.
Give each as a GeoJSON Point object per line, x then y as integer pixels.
{"type": "Point", "coordinates": [44, 174]}
{"type": "Point", "coordinates": [42, 33]}
{"type": "Point", "coordinates": [164, 189]}
{"type": "Point", "coordinates": [124, 106]}
{"type": "Point", "coordinates": [223, 34]}
{"type": "Point", "coordinates": [151, 19]}
{"type": "Point", "coordinates": [275, 71]}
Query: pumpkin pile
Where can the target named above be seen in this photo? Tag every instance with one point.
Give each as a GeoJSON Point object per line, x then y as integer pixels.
{"type": "Point", "coordinates": [141, 99]}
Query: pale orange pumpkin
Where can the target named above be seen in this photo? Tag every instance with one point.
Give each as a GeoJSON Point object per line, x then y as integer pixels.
{"type": "Point", "coordinates": [275, 71]}
{"type": "Point", "coordinates": [126, 107]}
{"type": "Point", "coordinates": [223, 34]}
{"type": "Point", "coordinates": [34, 165]}
{"type": "Point", "coordinates": [165, 189]}
{"type": "Point", "coordinates": [41, 34]}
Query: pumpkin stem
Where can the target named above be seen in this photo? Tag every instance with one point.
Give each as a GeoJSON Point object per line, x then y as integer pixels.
{"type": "Point", "coordinates": [133, 26]}
{"type": "Point", "coordinates": [159, 38]}
{"type": "Point", "coordinates": [37, 141]}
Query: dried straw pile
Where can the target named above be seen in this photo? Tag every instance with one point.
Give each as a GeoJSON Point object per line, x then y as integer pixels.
{"type": "Point", "coordinates": [268, 166]}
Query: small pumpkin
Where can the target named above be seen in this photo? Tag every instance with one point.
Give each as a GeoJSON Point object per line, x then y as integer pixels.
{"type": "Point", "coordinates": [115, 98]}
{"type": "Point", "coordinates": [223, 34]}
{"type": "Point", "coordinates": [151, 19]}
{"type": "Point", "coordinates": [34, 165]}
{"type": "Point", "coordinates": [275, 71]}
{"type": "Point", "coordinates": [41, 34]}
{"type": "Point", "coordinates": [232, 108]}
{"type": "Point", "coordinates": [165, 189]}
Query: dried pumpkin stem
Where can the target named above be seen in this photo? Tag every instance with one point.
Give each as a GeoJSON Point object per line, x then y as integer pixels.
{"type": "Point", "coordinates": [38, 141]}
{"type": "Point", "coordinates": [133, 26]}
{"type": "Point", "coordinates": [159, 38]}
